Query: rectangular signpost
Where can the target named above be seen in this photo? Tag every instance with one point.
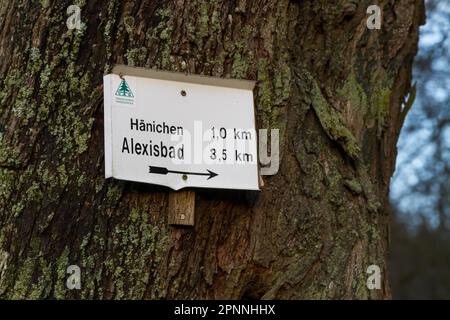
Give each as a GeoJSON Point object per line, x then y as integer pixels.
{"type": "Point", "coordinates": [180, 131]}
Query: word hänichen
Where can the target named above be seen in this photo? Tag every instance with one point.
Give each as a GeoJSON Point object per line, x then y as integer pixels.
{"type": "Point", "coordinates": [155, 127]}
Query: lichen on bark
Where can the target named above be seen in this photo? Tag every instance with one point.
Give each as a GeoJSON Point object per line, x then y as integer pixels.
{"type": "Point", "coordinates": [310, 233]}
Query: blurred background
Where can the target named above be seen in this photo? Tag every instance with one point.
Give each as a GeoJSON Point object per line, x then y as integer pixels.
{"type": "Point", "coordinates": [420, 190]}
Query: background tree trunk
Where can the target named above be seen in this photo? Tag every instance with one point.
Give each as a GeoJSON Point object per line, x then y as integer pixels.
{"type": "Point", "coordinates": [334, 89]}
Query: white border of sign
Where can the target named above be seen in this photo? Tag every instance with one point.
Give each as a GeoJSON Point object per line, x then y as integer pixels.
{"type": "Point", "coordinates": [125, 71]}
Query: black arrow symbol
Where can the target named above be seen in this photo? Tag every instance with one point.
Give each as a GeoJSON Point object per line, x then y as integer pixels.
{"type": "Point", "coordinates": [162, 170]}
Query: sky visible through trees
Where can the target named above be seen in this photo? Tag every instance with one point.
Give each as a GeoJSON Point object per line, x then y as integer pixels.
{"type": "Point", "coordinates": [420, 190]}
{"type": "Point", "coordinates": [420, 182]}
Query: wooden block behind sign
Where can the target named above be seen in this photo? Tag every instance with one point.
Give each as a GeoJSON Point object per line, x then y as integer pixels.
{"type": "Point", "coordinates": [182, 208]}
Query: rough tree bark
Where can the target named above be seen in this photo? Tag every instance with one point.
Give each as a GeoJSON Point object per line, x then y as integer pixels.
{"type": "Point", "coordinates": [334, 88]}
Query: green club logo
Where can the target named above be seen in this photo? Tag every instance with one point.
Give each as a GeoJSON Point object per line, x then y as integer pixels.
{"type": "Point", "coordinates": [124, 90]}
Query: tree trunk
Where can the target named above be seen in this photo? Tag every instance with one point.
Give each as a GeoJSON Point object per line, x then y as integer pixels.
{"type": "Point", "coordinates": [333, 87]}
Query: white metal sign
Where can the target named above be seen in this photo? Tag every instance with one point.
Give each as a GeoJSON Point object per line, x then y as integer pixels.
{"type": "Point", "coordinates": [180, 130]}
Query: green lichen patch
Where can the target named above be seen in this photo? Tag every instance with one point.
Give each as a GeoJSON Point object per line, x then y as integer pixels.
{"type": "Point", "coordinates": [7, 182]}
{"type": "Point", "coordinates": [128, 22]}
{"type": "Point", "coordinates": [140, 243]}
{"type": "Point", "coordinates": [3, 266]}
{"type": "Point", "coordinates": [62, 263]}
{"type": "Point", "coordinates": [353, 92]}
{"type": "Point", "coordinates": [332, 123]}
{"type": "Point", "coordinates": [137, 56]}
{"type": "Point", "coordinates": [380, 99]}
{"type": "Point", "coordinates": [354, 186]}
{"type": "Point", "coordinates": [240, 67]}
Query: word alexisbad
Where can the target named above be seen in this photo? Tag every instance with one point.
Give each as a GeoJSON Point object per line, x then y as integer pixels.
{"type": "Point", "coordinates": [152, 150]}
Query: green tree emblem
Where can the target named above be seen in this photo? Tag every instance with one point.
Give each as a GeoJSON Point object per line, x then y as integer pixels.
{"type": "Point", "coordinates": [124, 90]}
